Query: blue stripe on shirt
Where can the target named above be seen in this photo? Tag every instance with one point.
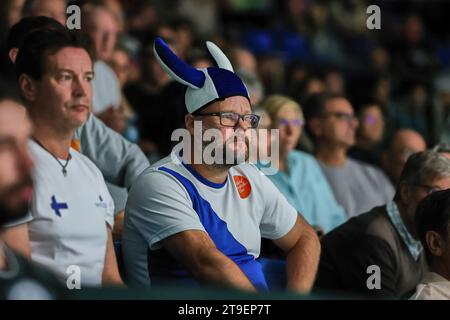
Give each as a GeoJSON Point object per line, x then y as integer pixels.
{"type": "Point", "coordinates": [220, 235]}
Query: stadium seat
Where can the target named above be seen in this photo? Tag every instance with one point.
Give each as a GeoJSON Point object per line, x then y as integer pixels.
{"type": "Point", "coordinates": [118, 251]}
{"type": "Point", "coordinates": [275, 273]}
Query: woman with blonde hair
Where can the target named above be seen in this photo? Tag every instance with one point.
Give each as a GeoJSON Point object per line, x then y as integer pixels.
{"type": "Point", "coordinates": [299, 177]}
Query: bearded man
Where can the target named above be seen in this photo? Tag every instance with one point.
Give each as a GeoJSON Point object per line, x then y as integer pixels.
{"type": "Point", "coordinates": [202, 222]}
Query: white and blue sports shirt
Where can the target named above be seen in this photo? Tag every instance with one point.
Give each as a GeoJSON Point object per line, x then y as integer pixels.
{"type": "Point", "coordinates": [170, 197]}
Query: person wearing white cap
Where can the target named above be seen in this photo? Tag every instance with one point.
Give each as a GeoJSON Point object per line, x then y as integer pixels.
{"type": "Point", "coordinates": [203, 223]}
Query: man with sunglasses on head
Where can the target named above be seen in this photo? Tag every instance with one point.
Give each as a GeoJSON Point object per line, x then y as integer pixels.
{"type": "Point", "coordinates": [357, 186]}
{"type": "Point", "coordinates": [379, 253]}
{"type": "Point", "coordinates": [203, 223]}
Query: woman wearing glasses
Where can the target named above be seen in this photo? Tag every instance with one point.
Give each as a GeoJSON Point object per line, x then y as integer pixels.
{"type": "Point", "coordinates": [299, 177]}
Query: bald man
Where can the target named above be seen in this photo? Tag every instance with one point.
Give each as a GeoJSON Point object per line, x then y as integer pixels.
{"type": "Point", "coordinates": [404, 143]}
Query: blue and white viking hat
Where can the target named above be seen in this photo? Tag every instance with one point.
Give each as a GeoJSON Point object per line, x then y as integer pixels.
{"type": "Point", "coordinates": [203, 85]}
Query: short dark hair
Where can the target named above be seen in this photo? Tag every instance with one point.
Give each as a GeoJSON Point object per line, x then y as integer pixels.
{"type": "Point", "coordinates": [366, 105]}
{"type": "Point", "coordinates": [25, 26]}
{"type": "Point", "coordinates": [314, 104]}
{"type": "Point", "coordinates": [433, 214]}
{"type": "Point", "coordinates": [38, 44]}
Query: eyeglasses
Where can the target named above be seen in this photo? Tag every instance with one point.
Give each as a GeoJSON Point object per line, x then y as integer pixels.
{"type": "Point", "coordinates": [231, 119]}
{"type": "Point", "coordinates": [371, 119]}
{"type": "Point", "coordinates": [341, 116]}
{"type": "Point", "coordinates": [430, 189]}
{"type": "Point", "coordinates": [294, 122]}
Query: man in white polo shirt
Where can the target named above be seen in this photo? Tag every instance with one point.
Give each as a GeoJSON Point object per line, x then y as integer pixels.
{"type": "Point", "coordinates": [72, 211]}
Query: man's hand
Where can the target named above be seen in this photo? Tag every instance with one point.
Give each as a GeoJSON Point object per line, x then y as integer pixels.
{"type": "Point", "coordinates": [197, 252]}
{"type": "Point", "coordinates": [302, 247]}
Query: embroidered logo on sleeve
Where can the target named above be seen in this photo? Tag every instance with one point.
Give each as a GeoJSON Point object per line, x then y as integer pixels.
{"type": "Point", "coordinates": [101, 204]}
{"type": "Point", "coordinates": [243, 186]}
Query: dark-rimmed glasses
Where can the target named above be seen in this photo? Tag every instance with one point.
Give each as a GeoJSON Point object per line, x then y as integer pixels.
{"type": "Point", "coordinates": [231, 119]}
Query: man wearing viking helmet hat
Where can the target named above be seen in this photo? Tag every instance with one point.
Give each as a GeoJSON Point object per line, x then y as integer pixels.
{"type": "Point", "coordinates": [190, 222]}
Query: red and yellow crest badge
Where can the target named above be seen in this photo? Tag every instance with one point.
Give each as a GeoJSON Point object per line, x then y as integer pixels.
{"type": "Point", "coordinates": [243, 186]}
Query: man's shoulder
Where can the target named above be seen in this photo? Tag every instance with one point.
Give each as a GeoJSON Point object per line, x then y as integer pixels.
{"type": "Point", "coordinates": [432, 287]}
{"type": "Point", "coordinates": [103, 69]}
{"type": "Point", "coordinates": [170, 163]}
{"type": "Point", "coordinates": [365, 168]}
{"type": "Point", "coordinates": [375, 222]}
{"type": "Point", "coordinates": [379, 224]}
{"type": "Point", "coordinates": [372, 224]}
{"type": "Point", "coordinates": [374, 175]}
{"type": "Point", "coordinates": [251, 172]}
{"type": "Point", "coordinates": [367, 238]}
{"type": "Point", "coordinates": [305, 161]}
{"type": "Point", "coordinates": [302, 156]}
{"type": "Point", "coordinates": [161, 175]}
{"type": "Point", "coordinates": [247, 168]}
{"type": "Point", "coordinates": [84, 161]}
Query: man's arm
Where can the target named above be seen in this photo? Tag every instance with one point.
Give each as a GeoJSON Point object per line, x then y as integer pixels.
{"type": "Point", "coordinates": [119, 160]}
{"type": "Point", "coordinates": [198, 253]}
{"type": "Point", "coordinates": [17, 239]}
{"type": "Point", "coordinates": [302, 247]}
{"type": "Point", "coordinates": [110, 276]}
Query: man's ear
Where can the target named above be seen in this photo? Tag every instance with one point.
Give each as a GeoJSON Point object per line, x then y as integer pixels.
{"type": "Point", "coordinates": [27, 87]}
{"type": "Point", "coordinates": [435, 243]}
{"type": "Point", "coordinates": [315, 126]}
{"type": "Point", "coordinates": [189, 123]}
{"type": "Point", "coordinates": [13, 54]}
{"type": "Point", "coordinates": [405, 192]}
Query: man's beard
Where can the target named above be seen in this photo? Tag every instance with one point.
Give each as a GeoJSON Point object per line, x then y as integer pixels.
{"type": "Point", "coordinates": [8, 212]}
{"type": "Point", "coordinates": [235, 154]}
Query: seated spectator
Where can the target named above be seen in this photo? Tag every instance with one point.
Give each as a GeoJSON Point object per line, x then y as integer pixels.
{"type": "Point", "coordinates": [433, 228]}
{"type": "Point", "coordinates": [300, 178]}
{"type": "Point", "coordinates": [204, 222]}
{"type": "Point", "coordinates": [441, 99]}
{"type": "Point", "coordinates": [334, 81]}
{"type": "Point", "coordinates": [145, 97]}
{"type": "Point", "coordinates": [413, 111]}
{"type": "Point", "coordinates": [404, 143]}
{"type": "Point", "coordinates": [119, 160]}
{"type": "Point", "coordinates": [72, 211]}
{"type": "Point", "coordinates": [120, 64]}
{"type": "Point", "coordinates": [368, 135]}
{"type": "Point", "coordinates": [16, 190]}
{"type": "Point", "coordinates": [99, 23]}
{"type": "Point", "coordinates": [384, 237]}
{"type": "Point", "coordinates": [442, 148]}
{"type": "Point", "coordinates": [254, 86]}
{"type": "Point", "coordinates": [357, 186]}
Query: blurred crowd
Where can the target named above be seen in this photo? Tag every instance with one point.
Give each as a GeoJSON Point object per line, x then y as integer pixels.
{"type": "Point", "coordinates": [352, 104]}
{"type": "Point", "coordinates": [294, 47]}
